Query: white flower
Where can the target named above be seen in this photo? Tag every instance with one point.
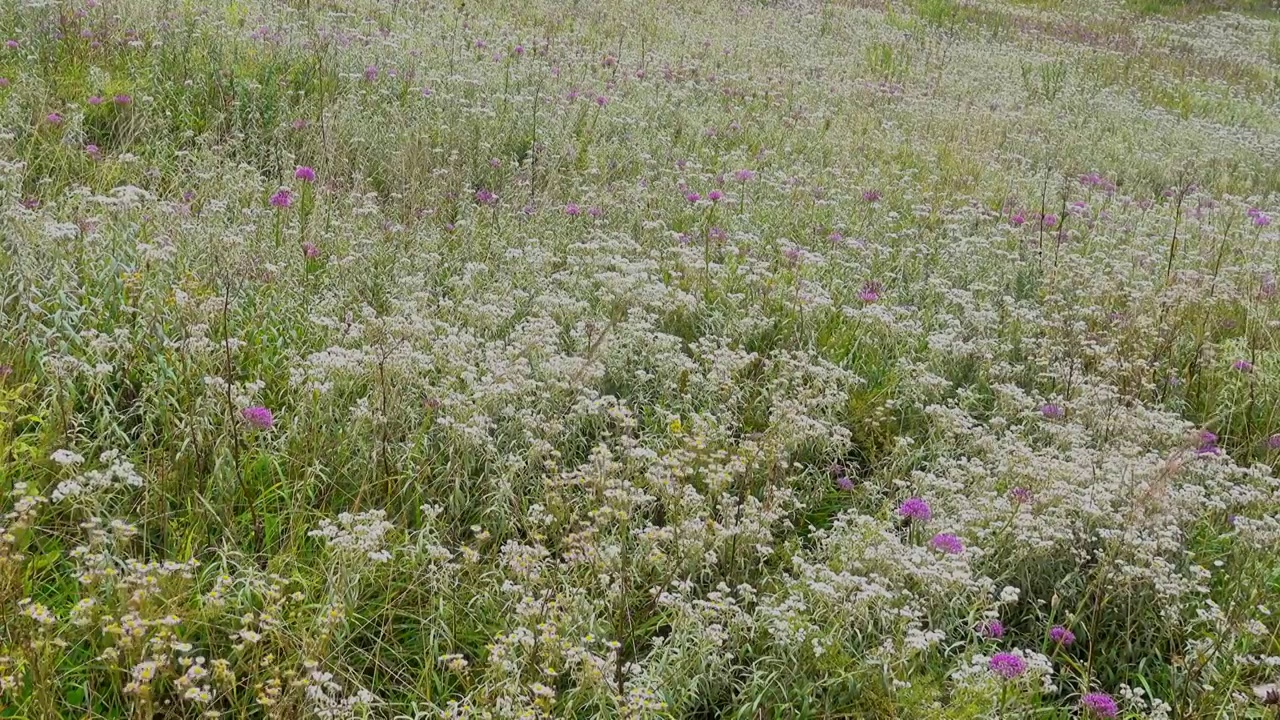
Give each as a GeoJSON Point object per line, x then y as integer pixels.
{"type": "Point", "coordinates": [66, 458]}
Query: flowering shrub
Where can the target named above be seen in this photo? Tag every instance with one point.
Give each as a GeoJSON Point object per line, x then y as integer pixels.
{"type": "Point", "coordinates": [794, 359]}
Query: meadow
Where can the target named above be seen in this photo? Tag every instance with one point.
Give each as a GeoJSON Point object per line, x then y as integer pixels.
{"type": "Point", "coordinates": [639, 359]}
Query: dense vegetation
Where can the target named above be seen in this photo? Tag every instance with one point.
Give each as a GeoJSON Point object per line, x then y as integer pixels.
{"type": "Point", "coordinates": [639, 359]}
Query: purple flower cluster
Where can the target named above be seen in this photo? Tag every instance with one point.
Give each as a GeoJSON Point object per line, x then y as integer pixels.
{"type": "Point", "coordinates": [947, 543]}
{"type": "Point", "coordinates": [1007, 665]}
{"type": "Point", "coordinates": [258, 417]}
{"type": "Point", "coordinates": [1099, 705]}
{"type": "Point", "coordinates": [1061, 635]}
{"type": "Point", "coordinates": [1208, 444]}
{"type": "Point", "coordinates": [991, 629]}
{"type": "Point", "coordinates": [915, 509]}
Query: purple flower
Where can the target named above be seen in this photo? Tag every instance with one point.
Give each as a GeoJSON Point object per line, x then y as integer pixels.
{"type": "Point", "coordinates": [692, 197]}
{"type": "Point", "coordinates": [602, 100]}
{"type": "Point", "coordinates": [258, 417]}
{"type": "Point", "coordinates": [844, 483]}
{"type": "Point", "coordinates": [947, 543]}
{"type": "Point", "coordinates": [5, 372]}
{"type": "Point", "coordinates": [870, 291]}
{"type": "Point", "coordinates": [871, 196]}
{"type": "Point", "coordinates": [1021, 495]}
{"type": "Point", "coordinates": [1099, 705]}
{"type": "Point", "coordinates": [1262, 219]}
{"type": "Point", "coordinates": [1052, 411]}
{"type": "Point", "coordinates": [484, 196]}
{"type": "Point", "coordinates": [282, 198]}
{"type": "Point", "coordinates": [572, 210]}
{"type": "Point", "coordinates": [11, 44]}
{"type": "Point", "coordinates": [1267, 289]}
{"type": "Point", "coordinates": [371, 73]}
{"type": "Point", "coordinates": [991, 629]}
{"type": "Point", "coordinates": [310, 251]}
{"type": "Point", "coordinates": [595, 211]}
{"type": "Point", "coordinates": [1061, 635]}
{"type": "Point", "coordinates": [95, 100]}
{"type": "Point", "coordinates": [1273, 442]}
{"type": "Point", "coordinates": [715, 196]}
{"type": "Point", "coordinates": [305, 174]}
{"type": "Point", "coordinates": [4, 82]}
{"type": "Point", "coordinates": [92, 151]}
{"type": "Point", "coordinates": [54, 118]}
{"type": "Point", "coordinates": [744, 175]}
{"type": "Point", "coordinates": [1007, 665]}
{"type": "Point", "coordinates": [1208, 444]}
{"type": "Point", "coordinates": [915, 509]}
{"type": "Point", "coordinates": [1018, 219]}
{"type": "Point", "coordinates": [1242, 366]}
{"type": "Point", "coordinates": [1049, 220]}
{"type": "Point", "coordinates": [122, 99]}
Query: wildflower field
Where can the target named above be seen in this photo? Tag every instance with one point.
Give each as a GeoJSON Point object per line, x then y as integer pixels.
{"type": "Point", "coordinates": [639, 359]}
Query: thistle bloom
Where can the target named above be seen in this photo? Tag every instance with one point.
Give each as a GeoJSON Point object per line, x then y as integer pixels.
{"type": "Point", "coordinates": [258, 417]}
{"type": "Point", "coordinates": [915, 509]}
{"type": "Point", "coordinates": [1273, 442]}
{"type": "Point", "coordinates": [123, 99]}
{"type": "Point", "coordinates": [991, 629]}
{"type": "Point", "coordinates": [1061, 635]}
{"type": "Point", "coordinates": [947, 543]}
{"type": "Point", "coordinates": [1208, 444]}
{"type": "Point", "coordinates": [282, 198]}
{"type": "Point", "coordinates": [871, 196]}
{"type": "Point", "coordinates": [54, 118]}
{"type": "Point", "coordinates": [572, 210]}
{"type": "Point", "coordinates": [1242, 366]}
{"type": "Point", "coordinates": [486, 197]}
{"type": "Point", "coordinates": [95, 100]}
{"type": "Point", "coordinates": [1052, 411]}
{"type": "Point", "coordinates": [744, 175]}
{"type": "Point", "coordinates": [1099, 705]}
{"type": "Point", "coordinates": [1007, 665]}
{"type": "Point", "coordinates": [715, 196]}
{"type": "Point", "coordinates": [844, 483]}
{"type": "Point", "coordinates": [870, 291]}
{"type": "Point", "coordinates": [305, 174]}
{"type": "Point", "coordinates": [310, 251]}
